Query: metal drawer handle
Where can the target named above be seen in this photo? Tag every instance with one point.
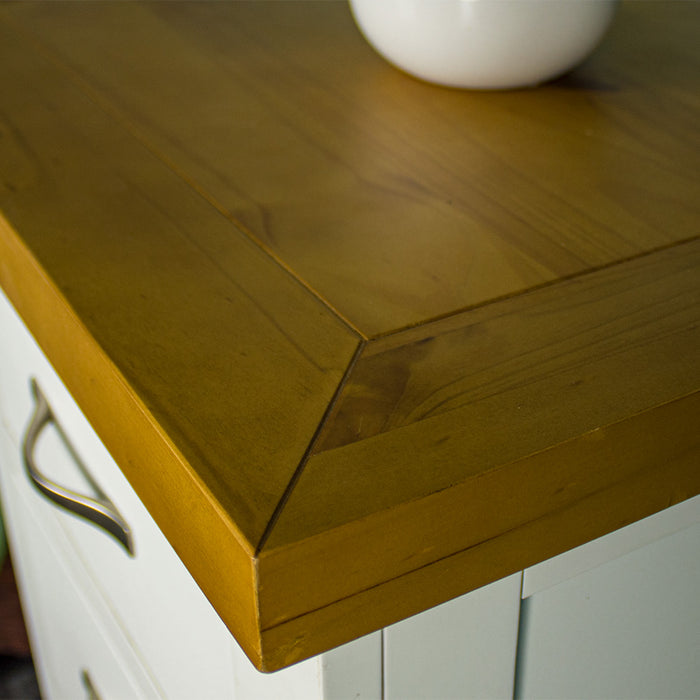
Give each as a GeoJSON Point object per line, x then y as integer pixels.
{"type": "Point", "coordinates": [92, 693]}
{"type": "Point", "coordinates": [99, 510]}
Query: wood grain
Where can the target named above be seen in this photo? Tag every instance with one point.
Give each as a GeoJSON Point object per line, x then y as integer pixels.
{"type": "Point", "coordinates": [203, 366]}
{"type": "Point", "coordinates": [197, 319]}
{"type": "Point", "coordinates": [176, 497]}
{"type": "Point", "coordinates": [360, 344]}
{"type": "Point", "coordinates": [394, 200]}
{"type": "Point", "coordinates": [505, 520]}
{"type": "Point", "coordinates": [585, 343]}
{"type": "Point", "coordinates": [455, 407]}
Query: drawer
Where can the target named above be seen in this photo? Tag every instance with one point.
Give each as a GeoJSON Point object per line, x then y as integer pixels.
{"type": "Point", "coordinates": [151, 593]}
{"type": "Point", "coordinates": [79, 650]}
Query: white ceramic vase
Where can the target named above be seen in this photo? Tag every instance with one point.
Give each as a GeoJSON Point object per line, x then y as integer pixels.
{"type": "Point", "coordinates": [484, 44]}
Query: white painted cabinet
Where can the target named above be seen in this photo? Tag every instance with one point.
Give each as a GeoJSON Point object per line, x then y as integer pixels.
{"type": "Point", "coordinates": [462, 649]}
{"type": "Point", "coordinates": [629, 628]}
{"type": "Point", "coordinates": [77, 646]}
{"type": "Point", "coordinates": [618, 617]}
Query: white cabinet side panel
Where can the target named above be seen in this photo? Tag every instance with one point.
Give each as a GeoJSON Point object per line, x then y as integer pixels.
{"type": "Point", "coordinates": [354, 671]}
{"type": "Point", "coordinates": [627, 629]}
{"type": "Point", "coordinates": [462, 649]}
{"type": "Point", "coordinates": [299, 682]}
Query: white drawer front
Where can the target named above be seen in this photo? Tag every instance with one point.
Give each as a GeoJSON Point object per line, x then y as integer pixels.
{"type": "Point", "coordinates": [77, 645]}
{"type": "Point", "coordinates": [15, 399]}
{"type": "Point", "coordinates": [151, 593]}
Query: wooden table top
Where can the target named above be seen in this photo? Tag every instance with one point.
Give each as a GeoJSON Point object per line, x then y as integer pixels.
{"type": "Point", "coordinates": [361, 344]}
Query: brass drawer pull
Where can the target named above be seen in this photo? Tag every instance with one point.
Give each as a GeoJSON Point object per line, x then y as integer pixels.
{"type": "Point", "coordinates": [99, 510]}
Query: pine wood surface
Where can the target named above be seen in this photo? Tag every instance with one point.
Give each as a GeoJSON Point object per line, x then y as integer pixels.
{"type": "Point", "coordinates": [394, 200]}
{"type": "Point", "coordinates": [360, 343]}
